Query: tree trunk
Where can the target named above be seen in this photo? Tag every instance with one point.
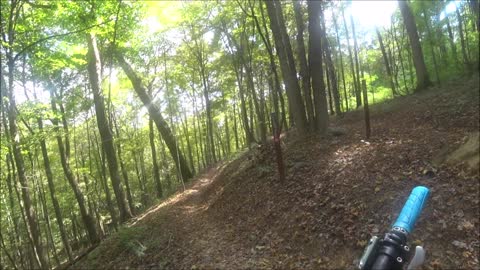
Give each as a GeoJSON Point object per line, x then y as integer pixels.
{"type": "Point", "coordinates": [341, 62]}
{"type": "Point", "coordinates": [235, 128]}
{"type": "Point", "coordinates": [423, 80]}
{"type": "Point", "coordinates": [432, 42]}
{"type": "Point", "coordinates": [273, 67]}
{"type": "Point", "coordinates": [33, 226]}
{"type": "Point", "coordinates": [157, 117]}
{"type": "Point", "coordinates": [475, 9]}
{"type": "Point", "coordinates": [316, 68]}
{"type": "Point", "coordinates": [64, 158]}
{"type": "Point", "coordinates": [466, 60]}
{"type": "Point", "coordinates": [189, 145]}
{"type": "Point", "coordinates": [400, 57]}
{"type": "Point", "coordinates": [102, 174]}
{"type": "Point", "coordinates": [329, 90]}
{"type": "Point", "coordinates": [287, 65]}
{"type": "Point", "coordinates": [243, 107]}
{"type": "Point", "coordinates": [46, 217]}
{"type": "Point", "coordinates": [51, 187]}
{"type": "Point", "coordinates": [350, 56]}
{"type": "Point", "coordinates": [331, 68]}
{"type": "Point", "coordinates": [452, 42]}
{"type": "Point", "coordinates": [94, 72]}
{"type": "Point", "coordinates": [302, 56]}
{"type": "Point", "coordinates": [358, 93]}
{"type": "Point", "coordinates": [211, 156]}
{"type": "Point", "coordinates": [156, 172]}
{"type": "Point", "coordinates": [249, 73]}
{"type": "Point", "coordinates": [123, 169]}
{"type": "Point", "coordinates": [387, 65]}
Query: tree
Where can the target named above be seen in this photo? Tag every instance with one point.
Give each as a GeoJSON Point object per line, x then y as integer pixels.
{"type": "Point", "coordinates": [423, 80]}
{"type": "Point", "coordinates": [94, 72]}
{"type": "Point", "coordinates": [387, 64]}
{"type": "Point", "coordinates": [33, 227]}
{"type": "Point", "coordinates": [160, 122]}
{"type": "Point", "coordinates": [287, 64]}
{"type": "Point", "coordinates": [64, 150]}
{"type": "Point", "coordinates": [302, 56]}
{"type": "Point", "coordinates": [358, 91]}
{"type": "Point", "coordinates": [316, 66]}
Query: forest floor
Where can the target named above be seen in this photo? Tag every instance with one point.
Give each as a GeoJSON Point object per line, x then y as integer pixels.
{"type": "Point", "coordinates": [339, 191]}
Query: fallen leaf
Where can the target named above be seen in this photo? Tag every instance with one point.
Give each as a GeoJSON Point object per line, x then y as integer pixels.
{"type": "Point", "coordinates": [459, 244]}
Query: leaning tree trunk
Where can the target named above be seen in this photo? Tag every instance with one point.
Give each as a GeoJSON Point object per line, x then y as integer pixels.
{"type": "Point", "coordinates": [423, 80]}
{"type": "Point", "coordinates": [94, 69]}
{"type": "Point", "coordinates": [157, 117]}
{"type": "Point", "coordinates": [316, 68]}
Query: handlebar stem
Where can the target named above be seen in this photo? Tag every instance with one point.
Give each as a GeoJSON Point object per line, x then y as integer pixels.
{"type": "Point", "coordinates": [393, 250]}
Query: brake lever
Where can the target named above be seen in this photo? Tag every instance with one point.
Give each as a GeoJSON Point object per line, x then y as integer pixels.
{"type": "Point", "coordinates": [418, 258]}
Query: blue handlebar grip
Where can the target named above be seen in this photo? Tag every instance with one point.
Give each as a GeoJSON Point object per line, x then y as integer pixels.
{"type": "Point", "coordinates": [412, 208]}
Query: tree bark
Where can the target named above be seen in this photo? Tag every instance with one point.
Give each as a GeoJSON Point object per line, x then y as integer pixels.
{"type": "Point", "coordinates": [466, 60]}
{"type": "Point", "coordinates": [316, 67]}
{"type": "Point", "coordinates": [157, 117]}
{"type": "Point", "coordinates": [94, 72]}
{"type": "Point", "coordinates": [341, 63]}
{"type": "Point", "coordinates": [350, 56]}
{"type": "Point", "coordinates": [423, 80]}
{"type": "Point", "coordinates": [452, 42]}
{"type": "Point", "coordinates": [51, 187]}
{"type": "Point", "coordinates": [31, 216]}
{"type": "Point", "coordinates": [123, 169]}
{"type": "Point", "coordinates": [99, 157]}
{"type": "Point", "coordinates": [331, 68]}
{"type": "Point", "coordinates": [156, 172]}
{"type": "Point", "coordinates": [65, 160]}
{"type": "Point", "coordinates": [287, 65]}
{"type": "Point", "coordinates": [247, 63]}
{"type": "Point", "coordinates": [273, 66]}
{"type": "Point", "coordinates": [432, 42]}
{"type": "Point", "coordinates": [358, 92]}
{"type": "Point", "coordinates": [400, 57]}
{"type": "Point", "coordinates": [302, 56]}
{"type": "Point", "coordinates": [387, 64]}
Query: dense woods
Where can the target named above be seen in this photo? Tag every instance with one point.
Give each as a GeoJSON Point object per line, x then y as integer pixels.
{"type": "Point", "coordinates": [110, 106]}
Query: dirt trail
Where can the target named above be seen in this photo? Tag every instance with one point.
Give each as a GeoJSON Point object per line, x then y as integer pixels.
{"type": "Point", "coordinates": [339, 190]}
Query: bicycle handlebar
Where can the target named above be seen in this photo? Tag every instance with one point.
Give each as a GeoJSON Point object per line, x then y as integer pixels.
{"type": "Point", "coordinates": [392, 251]}
{"type": "Point", "coordinates": [412, 208]}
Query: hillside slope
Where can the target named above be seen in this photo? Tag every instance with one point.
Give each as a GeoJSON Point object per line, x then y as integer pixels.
{"type": "Point", "coordinates": [339, 190]}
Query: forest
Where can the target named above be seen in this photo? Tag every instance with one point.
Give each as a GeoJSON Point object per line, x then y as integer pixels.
{"type": "Point", "coordinates": [112, 108]}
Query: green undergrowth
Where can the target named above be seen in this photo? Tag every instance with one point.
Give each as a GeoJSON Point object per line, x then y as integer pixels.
{"type": "Point", "coordinates": [128, 241]}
